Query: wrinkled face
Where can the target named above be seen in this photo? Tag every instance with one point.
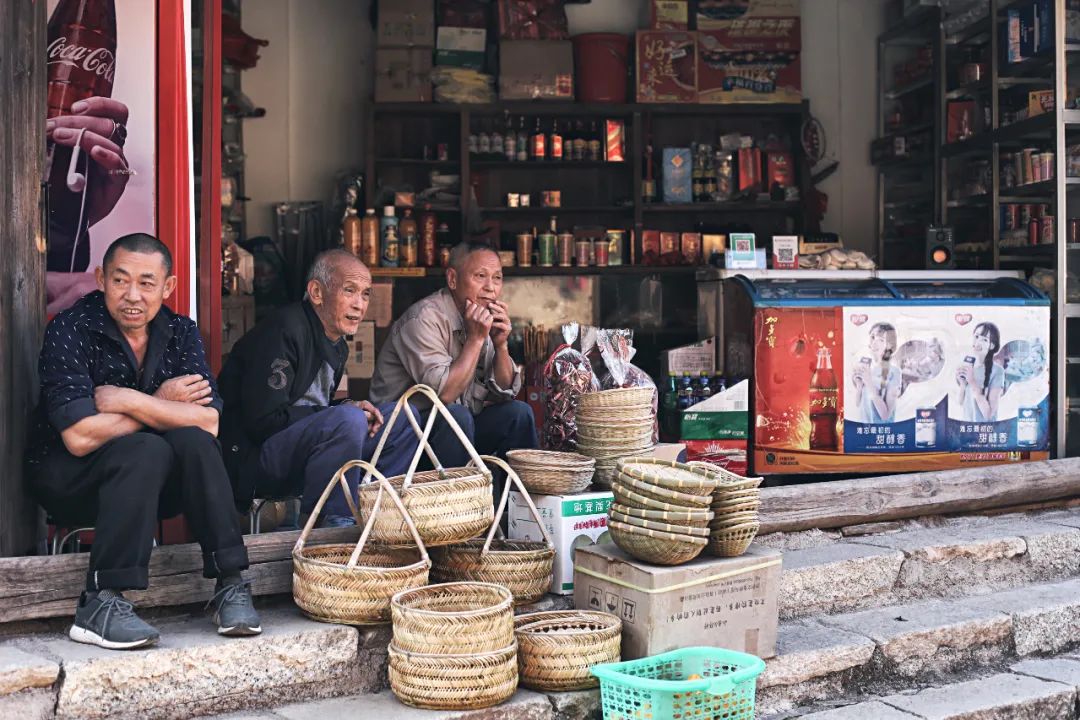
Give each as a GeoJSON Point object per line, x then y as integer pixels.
{"type": "Point", "coordinates": [480, 279]}
{"type": "Point", "coordinates": [135, 285]}
{"type": "Point", "coordinates": [342, 306]}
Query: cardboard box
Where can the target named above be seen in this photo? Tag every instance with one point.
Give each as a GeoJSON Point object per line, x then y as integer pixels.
{"type": "Point", "coordinates": [748, 70]}
{"type": "Point", "coordinates": [724, 602]}
{"type": "Point", "coordinates": [361, 361]}
{"type": "Point", "coordinates": [461, 47]}
{"type": "Point", "coordinates": [669, 15]}
{"type": "Point", "coordinates": [676, 179]}
{"type": "Point", "coordinates": [406, 23]}
{"type": "Point", "coordinates": [694, 359]}
{"type": "Point", "coordinates": [572, 521]}
{"type": "Point", "coordinates": [669, 242]}
{"type": "Point", "coordinates": [731, 455]}
{"type": "Point", "coordinates": [672, 452]}
{"type": "Point", "coordinates": [1040, 101]}
{"type": "Point", "coordinates": [650, 242]}
{"type": "Point", "coordinates": [691, 247]}
{"type": "Point", "coordinates": [666, 66]}
{"type": "Point", "coordinates": [779, 169]}
{"type": "Point", "coordinates": [750, 170]}
{"type": "Point", "coordinates": [536, 70]}
{"type": "Point", "coordinates": [721, 14]}
{"type": "Point", "coordinates": [403, 75]}
{"type": "Point", "coordinates": [814, 244]}
{"type": "Point", "coordinates": [532, 20]}
{"type": "Point", "coordinates": [724, 416]}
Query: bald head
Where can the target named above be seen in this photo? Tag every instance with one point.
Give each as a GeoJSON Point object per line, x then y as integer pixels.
{"type": "Point", "coordinates": [339, 289]}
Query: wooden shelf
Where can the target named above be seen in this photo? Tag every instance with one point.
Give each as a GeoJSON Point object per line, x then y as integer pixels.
{"type": "Point", "coordinates": [549, 164]}
{"type": "Point", "coordinates": [734, 206]}
{"type": "Point", "coordinates": [536, 271]}
{"type": "Point", "coordinates": [535, 209]}
{"type": "Point", "coordinates": [910, 88]}
{"type": "Point", "coordinates": [417, 162]}
{"type": "Point", "coordinates": [545, 108]}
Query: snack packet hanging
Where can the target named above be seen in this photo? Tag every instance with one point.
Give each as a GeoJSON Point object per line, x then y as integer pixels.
{"type": "Point", "coordinates": [567, 376]}
{"type": "Point", "coordinates": [617, 350]}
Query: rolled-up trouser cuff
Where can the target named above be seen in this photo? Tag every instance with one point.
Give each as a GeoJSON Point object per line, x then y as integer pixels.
{"type": "Point", "coordinates": [225, 561]}
{"type": "Point", "coordinates": [135, 578]}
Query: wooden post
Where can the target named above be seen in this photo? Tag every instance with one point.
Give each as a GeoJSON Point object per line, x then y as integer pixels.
{"type": "Point", "coordinates": [22, 261]}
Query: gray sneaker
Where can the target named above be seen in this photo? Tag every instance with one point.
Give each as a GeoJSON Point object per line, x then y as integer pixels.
{"type": "Point", "coordinates": [110, 623]}
{"type": "Point", "coordinates": [233, 610]}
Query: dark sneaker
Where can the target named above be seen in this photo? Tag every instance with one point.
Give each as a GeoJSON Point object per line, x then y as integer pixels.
{"type": "Point", "coordinates": [337, 521]}
{"type": "Point", "coordinates": [111, 623]}
{"type": "Point", "coordinates": [234, 613]}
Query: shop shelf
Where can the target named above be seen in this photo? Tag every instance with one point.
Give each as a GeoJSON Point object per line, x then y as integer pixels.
{"type": "Point", "coordinates": [599, 110]}
{"type": "Point", "coordinates": [1038, 125]}
{"type": "Point", "coordinates": [541, 210]}
{"type": "Point", "coordinates": [911, 27]}
{"type": "Point", "coordinates": [418, 162]}
{"type": "Point", "coordinates": [970, 201]}
{"type": "Point", "coordinates": [909, 130]}
{"type": "Point", "coordinates": [536, 271]}
{"type": "Point", "coordinates": [733, 206]}
{"type": "Point", "coordinates": [975, 30]}
{"type": "Point", "coordinates": [550, 164]}
{"type": "Point", "coordinates": [963, 147]}
{"type": "Point", "coordinates": [910, 88]}
{"type": "Point", "coordinates": [966, 90]}
{"type": "Point", "coordinates": [1031, 192]}
{"type": "Point", "coordinates": [907, 163]}
{"type": "Point", "coordinates": [1072, 310]}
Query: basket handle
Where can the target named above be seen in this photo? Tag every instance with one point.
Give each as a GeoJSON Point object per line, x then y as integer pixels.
{"type": "Point", "coordinates": [338, 478]}
{"type": "Point", "coordinates": [384, 485]}
{"type": "Point", "coordinates": [505, 501]}
{"type": "Point", "coordinates": [725, 684]}
{"type": "Point", "coordinates": [402, 404]}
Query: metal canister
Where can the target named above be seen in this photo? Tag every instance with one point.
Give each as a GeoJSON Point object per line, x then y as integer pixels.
{"type": "Point", "coordinates": [1033, 231]}
{"type": "Point", "coordinates": [583, 252]}
{"type": "Point", "coordinates": [1011, 216]}
{"type": "Point", "coordinates": [600, 252]}
{"type": "Point", "coordinates": [1027, 426]}
{"type": "Point", "coordinates": [566, 249]}
{"type": "Point", "coordinates": [1046, 165]}
{"type": "Point", "coordinates": [1046, 230]}
{"type": "Point", "coordinates": [616, 239]}
{"type": "Point", "coordinates": [1023, 216]}
{"type": "Point", "coordinates": [1074, 230]}
{"type": "Point", "coordinates": [552, 198]}
{"type": "Point", "coordinates": [525, 199]}
{"type": "Point", "coordinates": [1008, 171]}
{"type": "Point", "coordinates": [524, 249]}
{"type": "Point", "coordinates": [545, 246]}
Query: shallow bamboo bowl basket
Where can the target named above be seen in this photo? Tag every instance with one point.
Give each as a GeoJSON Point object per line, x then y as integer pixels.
{"type": "Point", "coordinates": [556, 649]}
{"type": "Point", "coordinates": [453, 682]}
{"type": "Point", "coordinates": [619, 397]}
{"type": "Point", "coordinates": [448, 506]}
{"type": "Point", "coordinates": [659, 548]}
{"type": "Point", "coordinates": [548, 472]}
{"type": "Point", "coordinates": [690, 479]}
{"type": "Point", "coordinates": [459, 618]}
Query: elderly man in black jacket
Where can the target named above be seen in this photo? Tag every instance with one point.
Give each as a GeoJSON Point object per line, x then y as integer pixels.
{"type": "Point", "coordinates": [282, 432]}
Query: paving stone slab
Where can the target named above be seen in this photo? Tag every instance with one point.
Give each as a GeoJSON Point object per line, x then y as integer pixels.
{"type": "Point", "coordinates": [1063, 670]}
{"type": "Point", "coordinates": [32, 704]}
{"type": "Point", "coordinates": [20, 670]}
{"type": "Point", "coordinates": [1000, 697]}
{"type": "Point", "coordinates": [1069, 518]}
{"type": "Point", "coordinates": [194, 671]}
{"type": "Point", "coordinates": [837, 577]}
{"type": "Point", "coordinates": [579, 705]}
{"type": "Point", "coordinates": [524, 705]}
{"type": "Point", "coordinates": [872, 710]}
{"type": "Point", "coordinates": [930, 637]}
{"type": "Point", "coordinates": [1045, 618]}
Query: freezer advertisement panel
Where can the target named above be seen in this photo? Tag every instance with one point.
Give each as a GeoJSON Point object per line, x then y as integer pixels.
{"type": "Point", "coordinates": [913, 388]}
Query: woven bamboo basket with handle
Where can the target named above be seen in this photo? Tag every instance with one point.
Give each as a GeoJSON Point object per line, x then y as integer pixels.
{"type": "Point", "coordinates": [521, 566]}
{"type": "Point", "coordinates": [458, 618]}
{"type": "Point", "coordinates": [353, 584]}
{"type": "Point", "coordinates": [454, 682]}
{"type": "Point", "coordinates": [447, 505]}
{"type": "Point", "coordinates": [556, 649]}
{"type": "Point", "coordinates": [549, 472]}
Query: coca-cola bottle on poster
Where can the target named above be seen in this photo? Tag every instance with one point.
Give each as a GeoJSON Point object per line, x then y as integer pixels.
{"type": "Point", "coordinates": [81, 64]}
{"type": "Point", "coordinates": [824, 402]}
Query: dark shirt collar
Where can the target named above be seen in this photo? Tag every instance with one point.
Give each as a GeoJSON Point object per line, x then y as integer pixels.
{"type": "Point", "coordinates": [161, 332]}
{"type": "Point", "coordinates": [335, 353]}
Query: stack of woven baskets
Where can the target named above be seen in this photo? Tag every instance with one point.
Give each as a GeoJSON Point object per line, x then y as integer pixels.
{"type": "Point", "coordinates": [453, 646]}
{"type": "Point", "coordinates": [661, 512]}
{"type": "Point", "coordinates": [556, 649]}
{"type": "Point", "coordinates": [547, 472]}
{"type": "Point", "coordinates": [735, 503]}
{"type": "Point", "coordinates": [615, 424]}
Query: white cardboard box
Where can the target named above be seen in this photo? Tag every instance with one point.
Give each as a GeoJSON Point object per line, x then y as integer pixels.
{"type": "Point", "coordinates": [573, 521]}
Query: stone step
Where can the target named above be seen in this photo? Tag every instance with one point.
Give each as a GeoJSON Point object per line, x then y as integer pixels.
{"type": "Point", "coordinates": [901, 645]}
{"type": "Point", "coordinates": [1046, 689]}
{"type": "Point", "coordinates": [826, 573]}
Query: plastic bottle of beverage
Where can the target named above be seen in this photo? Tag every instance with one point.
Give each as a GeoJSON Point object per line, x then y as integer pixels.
{"type": "Point", "coordinates": [719, 384]}
{"type": "Point", "coordinates": [80, 63]}
{"type": "Point", "coordinates": [522, 141]}
{"type": "Point", "coordinates": [409, 239]}
{"type": "Point", "coordinates": [686, 392]}
{"type": "Point", "coordinates": [823, 404]}
{"type": "Point", "coordinates": [704, 390]}
{"type": "Point", "coordinates": [669, 407]}
{"type": "Point", "coordinates": [391, 239]}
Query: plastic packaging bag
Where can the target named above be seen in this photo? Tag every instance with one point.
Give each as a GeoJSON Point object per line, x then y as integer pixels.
{"type": "Point", "coordinates": [567, 376]}
{"type": "Point", "coordinates": [617, 350]}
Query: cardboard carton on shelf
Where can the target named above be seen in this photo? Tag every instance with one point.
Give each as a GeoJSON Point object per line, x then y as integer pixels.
{"type": "Point", "coordinates": [666, 67]}
{"type": "Point", "coordinates": [737, 67]}
{"type": "Point", "coordinates": [406, 23]}
{"type": "Point", "coordinates": [403, 74]}
{"type": "Point", "coordinates": [669, 15]}
{"type": "Point", "coordinates": [724, 602]}
{"type": "Point", "coordinates": [536, 70]}
{"type": "Point", "coordinates": [697, 358]}
{"type": "Point", "coordinates": [461, 47]}
{"type": "Point", "coordinates": [717, 430]}
{"type": "Point", "coordinates": [722, 14]}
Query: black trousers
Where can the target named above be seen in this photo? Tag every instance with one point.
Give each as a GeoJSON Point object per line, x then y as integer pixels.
{"type": "Point", "coordinates": [126, 485]}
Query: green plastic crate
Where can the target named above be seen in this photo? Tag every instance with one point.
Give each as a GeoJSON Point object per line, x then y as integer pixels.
{"type": "Point", "coordinates": [657, 688]}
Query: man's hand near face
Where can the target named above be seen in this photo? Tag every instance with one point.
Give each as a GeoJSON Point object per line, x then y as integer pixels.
{"type": "Point", "coordinates": [500, 323]}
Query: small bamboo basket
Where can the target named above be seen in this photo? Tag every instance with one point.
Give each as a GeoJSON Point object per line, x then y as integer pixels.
{"type": "Point", "coordinates": [447, 505]}
{"type": "Point", "coordinates": [663, 494]}
{"type": "Point", "coordinates": [614, 434]}
{"type": "Point", "coordinates": [547, 472]}
{"type": "Point", "coordinates": [353, 584]}
{"type": "Point", "coordinates": [454, 682]}
{"type": "Point", "coordinates": [461, 618]}
{"type": "Point", "coordinates": [643, 411]}
{"type": "Point", "coordinates": [690, 479]}
{"type": "Point", "coordinates": [733, 541]}
{"type": "Point", "coordinates": [689, 516]}
{"type": "Point", "coordinates": [627, 496]}
{"type": "Point", "coordinates": [617, 398]}
{"type": "Point", "coordinates": [659, 548]}
{"type": "Point", "coordinates": [556, 649]}
{"type": "Point", "coordinates": [702, 532]}
{"type": "Point", "coordinates": [523, 567]}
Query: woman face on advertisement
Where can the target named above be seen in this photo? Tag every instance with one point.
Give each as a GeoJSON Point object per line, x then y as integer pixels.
{"type": "Point", "coordinates": [882, 342]}
{"type": "Point", "coordinates": [983, 340]}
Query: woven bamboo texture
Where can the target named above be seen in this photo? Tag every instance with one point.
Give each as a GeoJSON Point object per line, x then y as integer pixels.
{"type": "Point", "coordinates": [620, 397]}
{"type": "Point", "coordinates": [656, 547]}
{"type": "Point", "coordinates": [733, 541]}
{"type": "Point", "coordinates": [691, 517]}
{"type": "Point", "coordinates": [690, 479]}
{"type": "Point", "coordinates": [447, 505]}
{"type": "Point", "coordinates": [627, 496]}
{"type": "Point", "coordinates": [661, 526]}
{"type": "Point", "coordinates": [614, 434]}
{"type": "Point", "coordinates": [617, 412]}
{"type": "Point", "coordinates": [459, 618]}
{"type": "Point", "coordinates": [721, 522]}
{"type": "Point", "coordinates": [663, 494]}
{"type": "Point", "coordinates": [523, 567]}
{"type": "Point", "coordinates": [354, 584]}
{"type": "Point", "coordinates": [548, 472]}
{"type": "Point", "coordinates": [453, 682]}
{"type": "Point", "coordinates": [556, 650]}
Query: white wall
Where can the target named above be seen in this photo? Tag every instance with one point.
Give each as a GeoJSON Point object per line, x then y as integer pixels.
{"type": "Point", "coordinates": [312, 79]}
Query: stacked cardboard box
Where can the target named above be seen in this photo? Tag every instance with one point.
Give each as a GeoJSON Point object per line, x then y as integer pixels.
{"type": "Point", "coordinates": [717, 430]}
{"type": "Point", "coordinates": [403, 58]}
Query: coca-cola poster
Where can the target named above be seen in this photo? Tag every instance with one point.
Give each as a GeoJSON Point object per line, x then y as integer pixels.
{"type": "Point", "coordinates": [100, 135]}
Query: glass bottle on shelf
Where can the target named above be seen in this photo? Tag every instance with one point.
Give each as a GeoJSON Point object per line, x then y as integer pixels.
{"type": "Point", "coordinates": [497, 146]}
{"type": "Point", "coordinates": [483, 141]}
{"type": "Point", "coordinates": [580, 141]}
{"type": "Point", "coordinates": [539, 142]}
{"type": "Point", "coordinates": [474, 142]}
{"type": "Point", "coordinates": [510, 140]}
{"type": "Point", "coordinates": [648, 183]}
{"type": "Point", "coordinates": [556, 143]}
{"type": "Point", "coordinates": [522, 141]}
{"type": "Point", "coordinates": [594, 144]}
{"type": "Point", "coordinates": [407, 231]}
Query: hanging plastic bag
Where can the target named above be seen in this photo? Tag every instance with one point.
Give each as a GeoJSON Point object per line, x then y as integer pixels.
{"type": "Point", "coordinates": [617, 350]}
{"type": "Point", "coordinates": [567, 376]}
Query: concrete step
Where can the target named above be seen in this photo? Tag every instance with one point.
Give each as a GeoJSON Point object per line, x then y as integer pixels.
{"type": "Point", "coordinates": [1046, 689]}
{"type": "Point", "coordinates": [827, 573]}
{"type": "Point", "coordinates": [899, 646]}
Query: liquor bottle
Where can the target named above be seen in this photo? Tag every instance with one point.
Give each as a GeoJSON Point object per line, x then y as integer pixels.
{"type": "Point", "coordinates": [391, 238]}
{"type": "Point", "coordinates": [556, 142]}
{"type": "Point", "coordinates": [580, 142]}
{"type": "Point", "coordinates": [595, 152]}
{"type": "Point", "coordinates": [351, 232]}
{"type": "Point", "coordinates": [474, 142]}
{"type": "Point", "coordinates": [429, 255]}
{"type": "Point", "coordinates": [823, 404]}
{"type": "Point", "coordinates": [568, 141]}
{"type": "Point", "coordinates": [407, 231]}
{"type": "Point", "coordinates": [719, 384]}
{"type": "Point", "coordinates": [522, 141]}
{"type": "Point", "coordinates": [483, 142]}
{"type": "Point", "coordinates": [497, 147]}
{"type": "Point", "coordinates": [369, 239]}
{"type": "Point", "coordinates": [510, 140]}
{"type": "Point", "coordinates": [539, 142]}
{"type": "Point", "coordinates": [648, 182]}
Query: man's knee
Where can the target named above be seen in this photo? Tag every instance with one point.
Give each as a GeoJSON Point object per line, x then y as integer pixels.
{"type": "Point", "coordinates": [345, 418]}
{"type": "Point", "coordinates": [190, 440]}
{"type": "Point", "coordinates": [520, 414]}
{"type": "Point", "coordinates": [149, 455]}
{"type": "Point", "coordinates": [464, 418]}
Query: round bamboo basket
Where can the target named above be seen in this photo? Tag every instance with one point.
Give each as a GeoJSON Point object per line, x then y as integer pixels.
{"type": "Point", "coordinates": [612, 452]}
{"type": "Point", "coordinates": [661, 526]}
{"type": "Point", "coordinates": [614, 435]}
{"type": "Point", "coordinates": [353, 584]}
{"type": "Point", "coordinates": [734, 541]}
{"type": "Point", "coordinates": [547, 472]}
{"type": "Point", "coordinates": [447, 505]}
{"type": "Point", "coordinates": [453, 682]}
{"type": "Point", "coordinates": [659, 548]}
{"type": "Point", "coordinates": [691, 517]}
{"type": "Point", "coordinates": [619, 397]}
{"type": "Point", "coordinates": [722, 522]}
{"type": "Point", "coordinates": [729, 481]}
{"type": "Point", "coordinates": [663, 494]}
{"type": "Point", "coordinates": [643, 411]}
{"type": "Point", "coordinates": [459, 618]}
{"type": "Point", "coordinates": [556, 649]}
{"type": "Point", "coordinates": [627, 496]}
{"type": "Point", "coordinates": [690, 479]}
{"type": "Point", "coordinates": [523, 567]}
